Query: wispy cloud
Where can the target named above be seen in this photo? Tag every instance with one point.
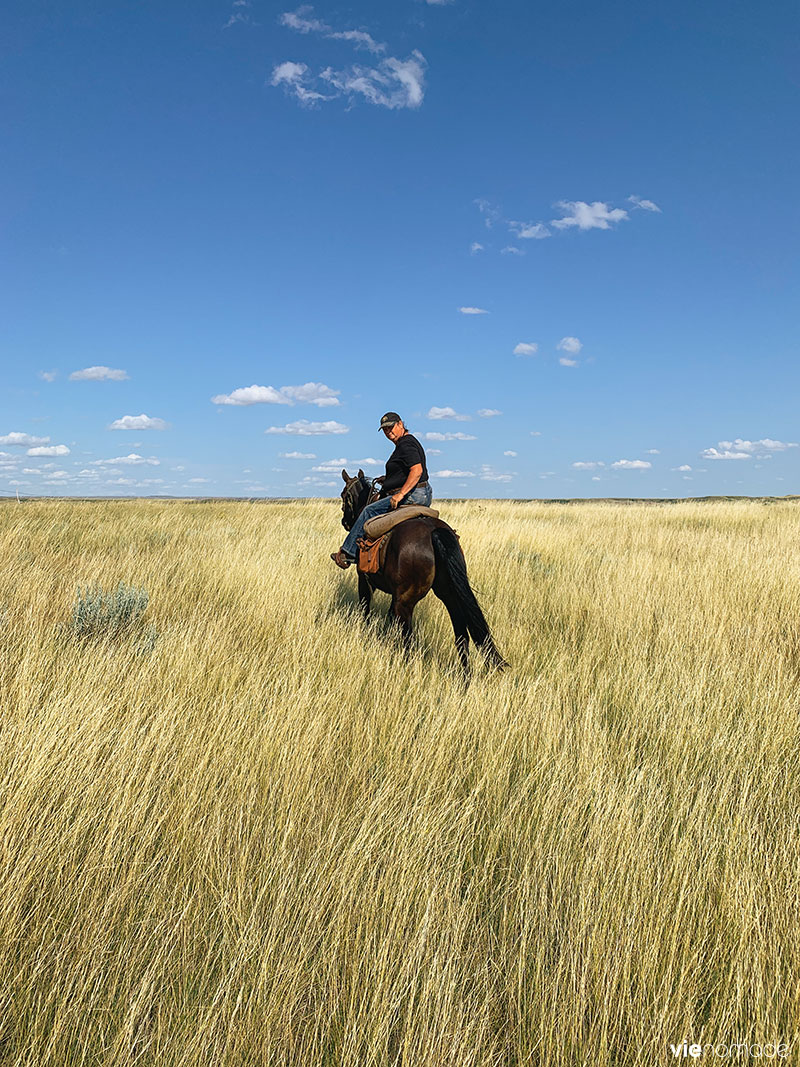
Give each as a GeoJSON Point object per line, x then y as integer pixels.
{"type": "Point", "coordinates": [98, 374]}
{"type": "Point", "coordinates": [595, 216]}
{"type": "Point", "coordinates": [138, 422]}
{"type": "Point", "coordinates": [489, 474]}
{"type": "Point", "coordinates": [295, 455]}
{"type": "Point", "coordinates": [652, 451]}
{"type": "Point", "coordinates": [491, 212]}
{"type": "Point", "coordinates": [453, 474]}
{"type": "Point", "coordinates": [742, 449]}
{"type": "Point", "coordinates": [646, 205]}
{"type": "Point", "coordinates": [488, 413]}
{"type": "Point", "coordinates": [473, 311]}
{"type": "Point", "coordinates": [304, 428]}
{"type": "Point", "coordinates": [510, 452]}
{"type": "Point", "coordinates": [511, 250]}
{"type": "Point", "coordinates": [133, 459]}
{"type": "Point", "coordinates": [529, 231]}
{"type": "Point", "coordinates": [392, 83]}
{"type": "Point", "coordinates": [457, 436]}
{"type": "Point", "coordinates": [631, 465]}
{"type": "Point", "coordinates": [311, 393]}
{"type": "Point", "coordinates": [569, 344]}
{"type": "Point", "coordinates": [683, 467]}
{"type": "Point", "coordinates": [334, 466]}
{"type": "Point", "coordinates": [48, 450]}
{"type": "Point", "coordinates": [47, 375]}
{"type": "Point", "coordinates": [588, 464]}
{"type": "Point", "coordinates": [303, 21]}
{"type": "Point", "coordinates": [447, 413]}
{"type": "Point", "coordinates": [475, 247]}
{"type": "Point", "coordinates": [526, 348]}
{"type": "Point", "coordinates": [565, 362]}
{"type": "Point", "coordinates": [294, 78]}
{"type": "Point", "coordinates": [16, 437]}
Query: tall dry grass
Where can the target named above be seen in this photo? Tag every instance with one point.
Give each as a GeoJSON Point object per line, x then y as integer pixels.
{"type": "Point", "coordinates": [272, 839]}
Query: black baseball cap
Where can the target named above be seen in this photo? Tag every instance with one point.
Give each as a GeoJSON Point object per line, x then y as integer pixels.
{"type": "Point", "coordinates": [389, 419]}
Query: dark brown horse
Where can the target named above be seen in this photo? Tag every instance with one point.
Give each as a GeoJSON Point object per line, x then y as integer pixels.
{"type": "Point", "coordinates": [423, 554]}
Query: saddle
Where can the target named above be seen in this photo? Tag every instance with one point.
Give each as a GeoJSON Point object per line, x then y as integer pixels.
{"type": "Point", "coordinates": [378, 532]}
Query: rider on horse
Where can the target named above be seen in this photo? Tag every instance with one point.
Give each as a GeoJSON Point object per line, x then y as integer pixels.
{"type": "Point", "coordinates": [405, 482]}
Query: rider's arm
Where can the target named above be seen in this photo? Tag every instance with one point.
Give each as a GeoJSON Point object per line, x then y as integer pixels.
{"type": "Point", "coordinates": [413, 476]}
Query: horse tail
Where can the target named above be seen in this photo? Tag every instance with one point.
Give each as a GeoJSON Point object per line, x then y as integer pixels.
{"type": "Point", "coordinates": [450, 559]}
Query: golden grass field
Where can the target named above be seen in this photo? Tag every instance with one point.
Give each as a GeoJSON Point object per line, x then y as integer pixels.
{"type": "Point", "coordinates": [274, 840]}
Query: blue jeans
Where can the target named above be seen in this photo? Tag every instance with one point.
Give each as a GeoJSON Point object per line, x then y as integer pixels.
{"type": "Point", "coordinates": [418, 495]}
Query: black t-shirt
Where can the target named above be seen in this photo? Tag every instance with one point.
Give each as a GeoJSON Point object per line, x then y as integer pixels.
{"type": "Point", "coordinates": [407, 452]}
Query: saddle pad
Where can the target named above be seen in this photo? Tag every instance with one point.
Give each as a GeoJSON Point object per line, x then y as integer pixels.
{"type": "Point", "coordinates": [381, 524]}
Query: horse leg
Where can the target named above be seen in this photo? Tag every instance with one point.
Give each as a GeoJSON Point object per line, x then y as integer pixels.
{"type": "Point", "coordinates": [364, 595]}
{"type": "Point", "coordinates": [402, 609]}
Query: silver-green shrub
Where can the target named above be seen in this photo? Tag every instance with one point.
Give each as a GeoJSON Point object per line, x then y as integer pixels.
{"type": "Point", "coordinates": [97, 614]}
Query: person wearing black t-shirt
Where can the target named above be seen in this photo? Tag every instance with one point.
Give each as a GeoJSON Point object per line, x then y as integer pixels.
{"type": "Point", "coordinates": [405, 482]}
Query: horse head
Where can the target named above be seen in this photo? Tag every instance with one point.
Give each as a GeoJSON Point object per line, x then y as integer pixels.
{"type": "Point", "coordinates": [354, 497]}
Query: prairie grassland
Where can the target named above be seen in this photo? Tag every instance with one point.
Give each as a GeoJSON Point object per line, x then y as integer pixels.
{"type": "Point", "coordinates": [273, 839]}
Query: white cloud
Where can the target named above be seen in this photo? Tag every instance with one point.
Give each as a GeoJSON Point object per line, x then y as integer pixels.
{"type": "Point", "coordinates": [569, 344]}
{"type": "Point", "coordinates": [433, 451]}
{"type": "Point", "coordinates": [453, 474]}
{"type": "Point", "coordinates": [653, 452]}
{"type": "Point", "coordinates": [488, 413]}
{"type": "Point", "coordinates": [18, 438]}
{"type": "Point", "coordinates": [511, 250]}
{"type": "Point", "coordinates": [447, 413]}
{"type": "Point", "coordinates": [529, 231]}
{"type": "Point", "coordinates": [199, 481]}
{"type": "Point", "coordinates": [683, 467]}
{"type": "Point", "coordinates": [648, 205]}
{"type": "Point", "coordinates": [292, 77]}
{"type": "Point", "coordinates": [631, 465]}
{"type": "Point", "coordinates": [536, 433]}
{"type": "Point", "coordinates": [509, 452]}
{"type": "Point", "coordinates": [713, 453]}
{"type": "Point", "coordinates": [132, 459]}
{"type": "Point", "coordinates": [138, 422]}
{"type": "Point", "coordinates": [761, 448]}
{"type": "Point", "coordinates": [476, 246]}
{"type": "Point", "coordinates": [294, 455]}
{"type": "Point", "coordinates": [98, 374]}
{"type": "Point", "coordinates": [489, 474]}
{"type": "Point", "coordinates": [310, 393]}
{"type": "Point", "coordinates": [588, 465]}
{"type": "Point", "coordinates": [473, 311]}
{"type": "Point", "coordinates": [334, 466]}
{"type": "Point", "coordinates": [595, 216]}
{"type": "Point", "coordinates": [438, 3]}
{"type": "Point", "coordinates": [568, 362]}
{"type": "Point", "coordinates": [526, 348]}
{"type": "Point", "coordinates": [449, 437]}
{"type": "Point", "coordinates": [394, 83]}
{"type": "Point", "coordinates": [49, 450]}
{"type": "Point", "coordinates": [302, 21]}
{"type": "Point", "coordinates": [47, 375]}
{"type": "Point", "coordinates": [304, 428]}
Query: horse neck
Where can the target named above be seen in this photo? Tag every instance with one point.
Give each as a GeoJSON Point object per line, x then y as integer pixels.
{"type": "Point", "coordinates": [363, 497]}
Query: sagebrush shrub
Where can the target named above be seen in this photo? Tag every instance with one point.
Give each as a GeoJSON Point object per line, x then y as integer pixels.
{"type": "Point", "coordinates": [98, 614]}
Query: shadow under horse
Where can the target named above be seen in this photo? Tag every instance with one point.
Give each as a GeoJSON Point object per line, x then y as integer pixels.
{"type": "Point", "coordinates": [423, 554]}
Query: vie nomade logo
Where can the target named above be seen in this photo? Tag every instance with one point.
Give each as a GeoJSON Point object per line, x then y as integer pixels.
{"type": "Point", "coordinates": [741, 1050]}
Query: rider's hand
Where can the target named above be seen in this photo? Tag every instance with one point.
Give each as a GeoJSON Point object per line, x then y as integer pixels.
{"type": "Point", "coordinates": [396, 500]}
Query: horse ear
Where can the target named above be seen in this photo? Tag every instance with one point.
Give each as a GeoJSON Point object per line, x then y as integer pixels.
{"type": "Point", "coordinates": [345, 475]}
{"type": "Point", "coordinates": [361, 474]}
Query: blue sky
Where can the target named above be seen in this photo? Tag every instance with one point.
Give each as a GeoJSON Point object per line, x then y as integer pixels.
{"type": "Point", "coordinates": [560, 240]}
